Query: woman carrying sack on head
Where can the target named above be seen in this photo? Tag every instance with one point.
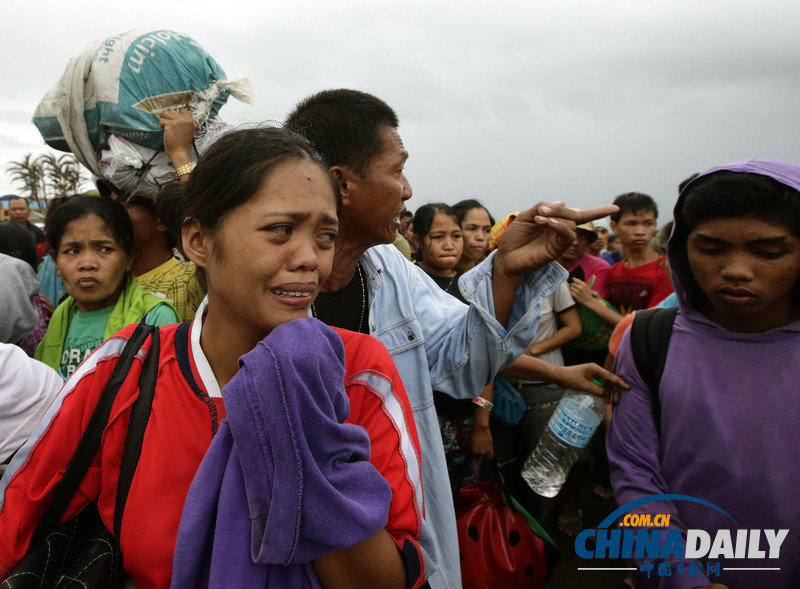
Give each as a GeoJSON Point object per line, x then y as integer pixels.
{"type": "Point", "coordinates": [316, 442]}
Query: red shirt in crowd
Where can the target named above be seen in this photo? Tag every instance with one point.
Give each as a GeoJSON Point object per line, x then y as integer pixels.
{"type": "Point", "coordinates": [631, 289]}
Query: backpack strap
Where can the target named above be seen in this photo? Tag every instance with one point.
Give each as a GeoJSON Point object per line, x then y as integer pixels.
{"type": "Point", "coordinates": [90, 441]}
{"type": "Point", "coordinates": [140, 414]}
{"type": "Point", "coordinates": [650, 335]}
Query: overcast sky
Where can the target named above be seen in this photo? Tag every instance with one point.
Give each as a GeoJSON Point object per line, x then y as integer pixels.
{"type": "Point", "coordinates": [507, 102]}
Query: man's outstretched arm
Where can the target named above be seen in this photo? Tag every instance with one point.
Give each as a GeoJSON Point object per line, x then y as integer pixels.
{"type": "Point", "coordinates": [537, 237]}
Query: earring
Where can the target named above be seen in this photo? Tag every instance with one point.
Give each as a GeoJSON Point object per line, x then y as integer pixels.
{"type": "Point", "coordinates": [58, 272]}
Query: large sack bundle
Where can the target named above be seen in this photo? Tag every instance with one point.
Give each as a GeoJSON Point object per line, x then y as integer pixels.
{"type": "Point", "coordinates": [140, 171]}
{"type": "Point", "coordinates": [122, 85]}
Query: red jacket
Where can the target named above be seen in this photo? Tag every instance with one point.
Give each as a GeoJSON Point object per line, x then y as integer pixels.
{"type": "Point", "coordinates": [182, 423]}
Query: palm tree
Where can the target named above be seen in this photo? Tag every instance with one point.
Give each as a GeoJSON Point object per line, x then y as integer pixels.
{"type": "Point", "coordinates": [30, 174]}
{"type": "Point", "coordinates": [72, 171]}
{"type": "Point", "coordinates": [62, 175]}
{"type": "Point", "coordinates": [53, 173]}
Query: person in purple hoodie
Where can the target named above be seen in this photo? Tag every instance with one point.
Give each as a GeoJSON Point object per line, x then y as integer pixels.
{"type": "Point", "coordinates": [728, 422]}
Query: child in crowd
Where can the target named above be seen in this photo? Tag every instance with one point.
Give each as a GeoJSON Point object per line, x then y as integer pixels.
{"type": "Point", "coordinates": [91, 241]}
{"type": "Point", "coordinates": [659, 245]}
{"type": "Point", "coordinates": [614, 250]}
{"type": "Point", "coordinates": [155, 265]}
{"type": "Point", "coordinates": [639, 281]}
{"type": "Point", "coordinates": [476, 229]}
{"type": "Point", "coordinates": [52, 287]}
{"type": "Point", "coordinates": [336, 464]}
{"type": "Point", "coordinates": [727, 432]}
{"type": "Point", "coordinates": [439, 236]}
{"type": "Point", "coordinates": [598, 247]}
{"type": "Point", "coordinates": [400, 241]}
{"type": "Point", "coordinates": [407, 229]}
{"type": "Point", "coordinates": [582, 265]}
{"type": "Point", "coordinates": [465, 426]}
{"type": "Point", "coordinates": [587, 286]}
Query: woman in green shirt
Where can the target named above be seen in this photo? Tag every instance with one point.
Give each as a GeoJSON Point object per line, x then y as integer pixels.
{"type": "Point", "coordinates": [91, 242]}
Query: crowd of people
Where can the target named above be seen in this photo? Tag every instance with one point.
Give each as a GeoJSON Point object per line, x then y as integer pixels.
{"type": "Point", "coordinates": [327, 359]}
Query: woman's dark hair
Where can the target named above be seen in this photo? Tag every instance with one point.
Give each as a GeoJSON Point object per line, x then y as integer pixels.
{"type": "Point", "coordinates": [423, 219]}
{"type": "Point", "coordinates": [229, 174]}
{"type": "Point", "coordinates": [16, 241]}
{"type": "Point", "coordinates": [730, 195]}
{"type": "Point", "coordinates": [112, 213]}
{"type": "Point", "coordinates": [463, 207]}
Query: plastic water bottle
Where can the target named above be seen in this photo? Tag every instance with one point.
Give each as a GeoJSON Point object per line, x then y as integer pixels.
{"type": "Point", "coordinates": [569, 430]}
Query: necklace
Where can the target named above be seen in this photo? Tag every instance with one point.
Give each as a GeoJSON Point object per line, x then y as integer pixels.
{"type": "Point", "coordinates": [363, 299]}
{"type": "Point", "coordinates": [449, 284]}
{"type": "Point", "coordinates": [363, 296]}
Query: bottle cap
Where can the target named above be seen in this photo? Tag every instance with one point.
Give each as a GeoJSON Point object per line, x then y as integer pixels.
{"type": "Point", "coordinates": [599, 382]}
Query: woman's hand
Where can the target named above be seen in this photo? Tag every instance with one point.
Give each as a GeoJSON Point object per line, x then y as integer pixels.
{"type": "Point", "coordinates": [179, 128]}
{"type": "Point", "coordinates": [481, 441]}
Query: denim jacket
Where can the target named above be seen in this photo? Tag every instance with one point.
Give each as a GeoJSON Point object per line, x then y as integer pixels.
{"type": "Point", "coordinates": [431, 337]}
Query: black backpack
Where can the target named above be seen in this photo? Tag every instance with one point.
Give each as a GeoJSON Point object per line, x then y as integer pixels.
{"type": "Point", "coordinates": [650, 335]}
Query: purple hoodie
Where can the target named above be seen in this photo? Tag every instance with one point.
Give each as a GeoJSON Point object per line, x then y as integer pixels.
{"type": "Point", "coordinates": [285, 480]}
{"type": "Point", "coordinates": [730, 433]}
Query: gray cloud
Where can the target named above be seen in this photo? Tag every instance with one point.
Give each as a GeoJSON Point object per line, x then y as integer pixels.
{"type": "Point", "coordinates": [504, 101]}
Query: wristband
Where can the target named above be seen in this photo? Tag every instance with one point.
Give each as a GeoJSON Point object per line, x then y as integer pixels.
{"type": "Point", "coordinates": [184, 169]}
{"type": "Point", "coordinates": [481, 402]}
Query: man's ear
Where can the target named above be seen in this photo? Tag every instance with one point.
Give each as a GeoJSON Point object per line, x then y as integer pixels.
{"type": "Point", "coordinates": [613, 227]}
{"type": "Point", "coordinates": [347, 180]}
{"type": "Point", "coordinates": [197, 245]}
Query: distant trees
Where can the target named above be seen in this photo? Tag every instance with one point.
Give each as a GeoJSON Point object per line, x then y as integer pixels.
{"type": "Point", "coordinates": [47, 176]}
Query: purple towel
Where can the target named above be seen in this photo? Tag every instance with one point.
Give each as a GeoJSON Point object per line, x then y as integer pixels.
{"type": "Point", "coordinates": [285, 481]}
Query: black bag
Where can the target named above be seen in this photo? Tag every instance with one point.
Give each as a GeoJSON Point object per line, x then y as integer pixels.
{"type": "Point", "coordinates": [81, 552]}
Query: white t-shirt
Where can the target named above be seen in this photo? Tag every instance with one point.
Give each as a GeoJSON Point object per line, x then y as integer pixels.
{"type": "Point", "coordinates": [551, 306]}
{"type": "Point", "coordinates": [27, 387]}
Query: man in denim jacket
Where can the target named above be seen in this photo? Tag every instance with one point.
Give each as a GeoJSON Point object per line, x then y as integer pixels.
{"type": "Point", "coordinates": [435, 340]}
